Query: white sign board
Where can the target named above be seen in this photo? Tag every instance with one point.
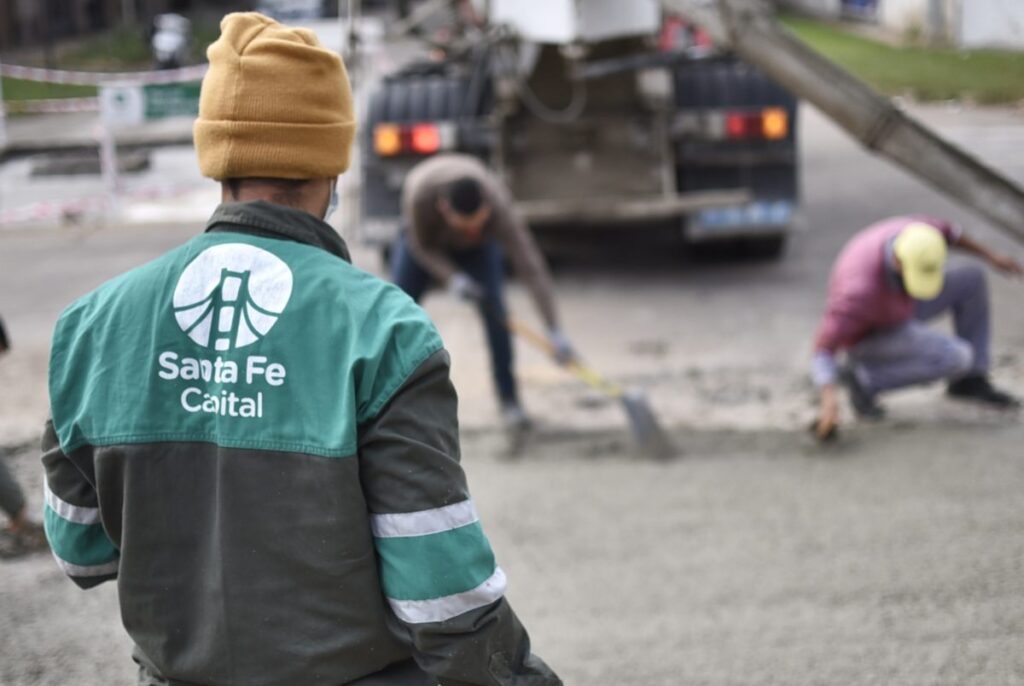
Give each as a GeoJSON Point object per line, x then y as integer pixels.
{"type": "Point", "coordinates": [122, 105]}
{"type": "Point", "coordinates": [992, 24]}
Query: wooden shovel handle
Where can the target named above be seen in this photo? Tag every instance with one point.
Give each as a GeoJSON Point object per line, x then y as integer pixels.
{"type": "Point", "coordinates": [535, 338]}
{"type": "Point", "coordinates": [585, 374]}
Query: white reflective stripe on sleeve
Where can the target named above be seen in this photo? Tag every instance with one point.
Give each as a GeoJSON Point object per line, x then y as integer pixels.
{"type": "Point", "coordinates": [424, 522]}
{"type": "Point", "coordinates": [65, 510]}
{"type": "Point", "coordinates": [441, 609]}
{"type": "Point", "coordinates": [92, 570]}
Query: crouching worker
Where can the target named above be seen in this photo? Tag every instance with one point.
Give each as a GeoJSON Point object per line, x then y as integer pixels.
{"type": "Point", "coordinates": [459, 226]}
{"type": "Point", "coordinates": [258, 440]}
{"type": "Point", "coordinates": [888, 281]}
{"type": "Point", "coordinates": [22, 535]}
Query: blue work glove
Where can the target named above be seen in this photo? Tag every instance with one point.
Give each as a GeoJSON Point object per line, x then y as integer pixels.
{"type": "Point", "coordinates": [561, 348]}
{"type": "Point", "coordinates": [465, 288]}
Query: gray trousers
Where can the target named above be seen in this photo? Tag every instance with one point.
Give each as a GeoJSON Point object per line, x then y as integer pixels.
{"type": "Point", "coordinates": [914, 353]}
{"type": "Point", "coordinates": [12, 500]}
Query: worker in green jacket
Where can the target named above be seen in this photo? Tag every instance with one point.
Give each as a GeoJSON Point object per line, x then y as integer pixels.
{"type": "Point", "coordinates": [258, 441]}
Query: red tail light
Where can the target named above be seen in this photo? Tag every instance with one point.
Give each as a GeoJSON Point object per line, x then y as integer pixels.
{"type": "Point", "coordinates": [390, 140]}
{"type": "Point", "coordinates": [738, 125]}
{"type": "Point", "coordinates": [771, 123]}
{"type": "Point", "coordinates": [425, 139]}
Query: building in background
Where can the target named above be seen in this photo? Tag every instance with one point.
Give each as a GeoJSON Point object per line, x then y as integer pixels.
{"type": "Point", "coordinates": [965, 24]}
{"type": "Point", "coordinates": [860, 9]}
{"type": "Point", "coordinates": [992, 23]}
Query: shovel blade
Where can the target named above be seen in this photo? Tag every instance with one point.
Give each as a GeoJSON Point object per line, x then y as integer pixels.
{"type": "Point", "coordinates": [650, 437]}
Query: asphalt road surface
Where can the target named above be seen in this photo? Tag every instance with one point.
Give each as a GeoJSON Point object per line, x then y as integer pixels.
{"type": "Point", "coordinates": [896, 557]}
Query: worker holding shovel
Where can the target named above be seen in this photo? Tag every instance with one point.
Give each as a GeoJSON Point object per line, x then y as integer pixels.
{"type": "Point", "coordinates": [459, 225]}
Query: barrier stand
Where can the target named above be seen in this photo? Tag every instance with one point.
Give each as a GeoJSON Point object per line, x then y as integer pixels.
{"type": "Point", "coordinates": [3, 116]}
{"type": "Point", "coordinates": [125, 99]}
{"type": "Point", "coordinates": [121, 104]}
{"type": "Point", "coordinates": [108, 171]}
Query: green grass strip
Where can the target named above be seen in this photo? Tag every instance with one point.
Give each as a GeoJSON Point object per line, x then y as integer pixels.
{"type": "Point", "coordinates": [924, 73]}
{"type": "Point", "coordinates": [17, 89]}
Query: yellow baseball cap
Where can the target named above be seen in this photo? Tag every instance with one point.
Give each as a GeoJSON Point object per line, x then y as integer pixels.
{"type": "Point", "coordinates": [921, 250]}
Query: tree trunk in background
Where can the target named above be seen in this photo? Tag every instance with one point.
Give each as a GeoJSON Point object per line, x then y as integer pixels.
{"type": "Point", "coordinates": [128, 15]}
{"type": "Point", "coordinates": [26, 25]}
{"type": "Point", "coordinates": [47, 23]}
{"type": "Point", "coordinates": [78, 18]}
{"type": "Point", "coordinates": [6, 25]}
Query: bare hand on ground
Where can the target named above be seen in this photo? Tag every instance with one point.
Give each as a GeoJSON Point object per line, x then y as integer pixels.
{"type": "Point", "coordinates": [827, 423]}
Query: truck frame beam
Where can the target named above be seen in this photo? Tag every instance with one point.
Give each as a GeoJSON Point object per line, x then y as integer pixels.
{"type": "Point", "coordinates": [589, 211]}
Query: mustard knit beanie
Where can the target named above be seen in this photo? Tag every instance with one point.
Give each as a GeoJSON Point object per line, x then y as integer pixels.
{"type": "Point", "coordinates": [274, 104]}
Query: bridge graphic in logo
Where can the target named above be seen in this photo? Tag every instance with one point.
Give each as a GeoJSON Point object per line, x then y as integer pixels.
{"type": "Point", "coordinates": [231, 295]}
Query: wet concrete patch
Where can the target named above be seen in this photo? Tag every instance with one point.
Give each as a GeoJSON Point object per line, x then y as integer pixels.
{"type": "Point", "coordinates": [697, 443]}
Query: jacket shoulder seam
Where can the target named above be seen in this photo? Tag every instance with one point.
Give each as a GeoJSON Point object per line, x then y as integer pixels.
{"type": "Point", "coordinates": [388, 394]}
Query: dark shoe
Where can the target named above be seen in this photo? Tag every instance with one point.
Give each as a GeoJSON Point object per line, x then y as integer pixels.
{"type": "Point", "coordinates": [29, 538]}
{"type": "Point", "coordinates": [979, 389]}
{"type": "Point", "coordinates": [514, 417]}
{"type": "Point", "coordinates": [864, 403]}
{"type": "Point", "coordinates": [518, 427]}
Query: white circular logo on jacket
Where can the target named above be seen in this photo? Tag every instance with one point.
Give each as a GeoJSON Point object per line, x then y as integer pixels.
{"type": "Point", "coordinates": [231, 295]}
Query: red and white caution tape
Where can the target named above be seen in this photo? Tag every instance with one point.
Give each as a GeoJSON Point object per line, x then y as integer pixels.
{"type": "Point", "coordinates": [94, 78]}
{"type": "Point", "coordinates": [72, 210]}
{"type": "Point", "coordinates": [61, 105]}
{"type": "Point", "coordinates": [47, 211]}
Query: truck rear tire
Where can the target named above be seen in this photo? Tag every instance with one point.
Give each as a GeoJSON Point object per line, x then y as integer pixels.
{"type": "Point", "coordinates": [727, 83]}
{"type": "Point", "coordinates": [418, 99]}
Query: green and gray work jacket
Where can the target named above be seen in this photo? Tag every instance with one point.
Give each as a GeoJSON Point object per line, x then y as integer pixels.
{"type": "Point", "coordinates": [259, 442]}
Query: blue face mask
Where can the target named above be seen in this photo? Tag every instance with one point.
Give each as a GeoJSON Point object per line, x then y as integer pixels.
{"type": "Point", "coordinates": [333, 204]}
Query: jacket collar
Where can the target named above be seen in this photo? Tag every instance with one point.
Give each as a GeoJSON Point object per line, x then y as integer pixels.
{"type": "Point", "coordinates": [269, 220]}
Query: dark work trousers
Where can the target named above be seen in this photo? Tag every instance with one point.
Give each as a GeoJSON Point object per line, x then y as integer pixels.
{"type": "Point", "coordinates": [484, 264]}
{"type": "Point", "coordinates": [12, 500]}
{"type": "Point", "coordinates": [915, 353]}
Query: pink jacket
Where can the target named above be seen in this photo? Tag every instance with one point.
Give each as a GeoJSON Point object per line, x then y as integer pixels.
{"type": "Point", "coordinates": [861, 297]}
